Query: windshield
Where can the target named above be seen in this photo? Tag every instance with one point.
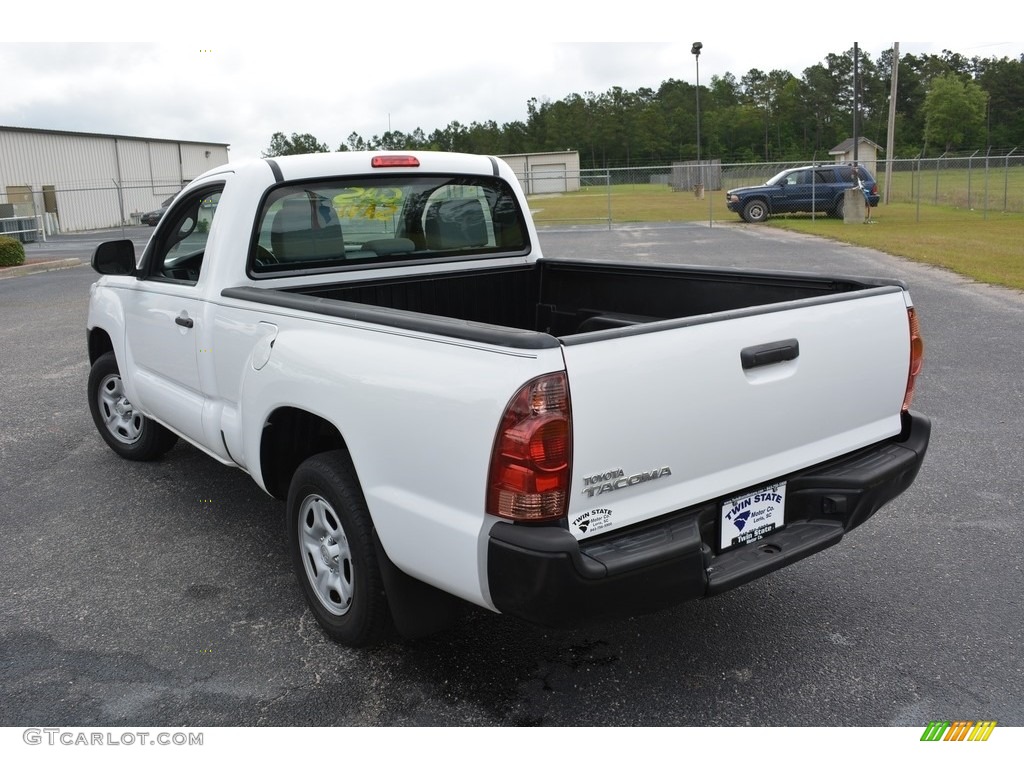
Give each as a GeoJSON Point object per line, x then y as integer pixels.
{"type": "Point", "coordinates": [332, 224]}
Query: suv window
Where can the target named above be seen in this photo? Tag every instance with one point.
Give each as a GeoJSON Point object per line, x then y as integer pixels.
{"type": "Point", "coordinates": [327, 225]}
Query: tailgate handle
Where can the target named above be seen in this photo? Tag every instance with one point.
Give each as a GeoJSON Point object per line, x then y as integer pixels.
{"type": "Point", "coordinates": [767, 354]}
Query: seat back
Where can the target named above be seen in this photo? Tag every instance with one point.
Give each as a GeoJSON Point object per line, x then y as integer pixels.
{"type": "Point", "coordinates": [307, 229]}
{"type": "Point", "coordinates": [456, 223]}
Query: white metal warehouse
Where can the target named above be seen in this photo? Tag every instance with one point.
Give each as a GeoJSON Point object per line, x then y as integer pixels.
{"type": "Point", "coordinates": [63, 181]}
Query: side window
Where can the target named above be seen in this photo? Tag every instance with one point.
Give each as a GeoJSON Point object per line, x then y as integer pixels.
{"type": "Point", "coordinates": [181, 240]}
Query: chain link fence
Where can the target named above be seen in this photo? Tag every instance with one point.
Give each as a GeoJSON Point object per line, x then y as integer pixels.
{"type": "Point", "coordinates": [33, 215]}
{"type": "Point", "coordinates": [981, 183]}
{"type": "Point", "coordinates": [694, 192]}
{"type": "Point", "coordinates": [689, 191]}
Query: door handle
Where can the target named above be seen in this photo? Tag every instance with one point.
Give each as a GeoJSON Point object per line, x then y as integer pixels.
{"type": "Point", "coordinates": [184, 320]}
{"type": "Point", "coordinates": [767, 354]}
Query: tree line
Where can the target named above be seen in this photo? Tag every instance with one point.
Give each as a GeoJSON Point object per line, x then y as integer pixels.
{"type": "Point", "coordinates": [944, 103]}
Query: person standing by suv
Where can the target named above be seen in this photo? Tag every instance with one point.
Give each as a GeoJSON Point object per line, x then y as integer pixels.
{"type": "Point", "coordinates": [858, 177]}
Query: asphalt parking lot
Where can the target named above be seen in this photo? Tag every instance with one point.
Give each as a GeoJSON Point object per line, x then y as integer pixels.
{"type": "Point", "coordinates": [161, 594]}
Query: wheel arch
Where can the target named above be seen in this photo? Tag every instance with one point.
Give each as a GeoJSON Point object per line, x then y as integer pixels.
{"type": "Point", "coordinates": [99, 344]}
{"type": "Point", "coordinates": [290, 436]}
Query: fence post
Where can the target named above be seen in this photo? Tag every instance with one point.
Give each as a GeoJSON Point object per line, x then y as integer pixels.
{"type": "Point", "coordinates": [1006, 180]}
{"type": "Point", "coordinates": [40, 225]}
{"type": "Point", "coordinates": [970, 167]}
{"type": "Point", "coordinates": [920, 185]}
{"type": "Point", "coordinates": [608, 191]}
{"type": "Point", "coordinates": [711, 212]}
{"type": "Point", "coordinates": [985, 199]}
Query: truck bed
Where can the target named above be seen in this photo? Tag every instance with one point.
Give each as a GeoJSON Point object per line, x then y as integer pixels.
{"type": "Point", "coordinates": [539, 304]}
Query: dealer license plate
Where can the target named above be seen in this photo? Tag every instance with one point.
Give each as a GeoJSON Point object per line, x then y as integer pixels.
{"type": "Point", "coordinates": [753, 516]}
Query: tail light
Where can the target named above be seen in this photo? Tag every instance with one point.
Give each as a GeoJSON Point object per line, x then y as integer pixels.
{"type": "Point", "coordinates": [916, 356]}
{"type": "Point", "coordinates": [532, 457]}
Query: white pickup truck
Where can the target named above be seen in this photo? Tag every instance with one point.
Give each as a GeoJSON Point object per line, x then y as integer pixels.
{"type": "Point", "coordinates": [377, 339]}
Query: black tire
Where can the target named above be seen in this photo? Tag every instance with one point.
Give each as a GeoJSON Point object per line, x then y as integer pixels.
{"type": "Point", "coordinates": [837, 209]}
{"type": "Point", "coordinates": [755, 211]}
{"type": "Point", "coordinates": [130, 434]}
{"type": "Point", "coordinates": [331, 539]}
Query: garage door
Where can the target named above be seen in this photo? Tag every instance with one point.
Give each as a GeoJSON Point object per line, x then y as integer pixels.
{"type": "Point", "coordinates": [548, 178]}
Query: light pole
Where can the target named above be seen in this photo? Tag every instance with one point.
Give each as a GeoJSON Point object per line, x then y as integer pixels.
{"type": "Point", "coordinates": [699, 189]}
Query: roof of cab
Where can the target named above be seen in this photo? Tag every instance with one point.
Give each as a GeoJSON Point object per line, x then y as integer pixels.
{"type": "Point", "coordinates": [295, 167]}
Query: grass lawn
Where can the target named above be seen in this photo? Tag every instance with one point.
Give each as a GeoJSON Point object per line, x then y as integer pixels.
{"type": "Point", "coordinates": [985, 248]}
{"type": "Point", "coordinates": [988, 247]}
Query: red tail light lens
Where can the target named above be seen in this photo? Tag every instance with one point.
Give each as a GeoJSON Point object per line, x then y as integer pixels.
{"type": "Point", "coordinates": [916, 356]}
{"type": "Point", "coordinates": [532, 456]}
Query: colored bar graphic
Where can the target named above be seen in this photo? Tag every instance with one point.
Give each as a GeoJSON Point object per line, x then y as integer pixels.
{"type": "Point", "coordinates": [934, 730]}
{"type": "Point", "coordinates": [960, 730]}
{"type": "Point", "coordinates": [982, 731]}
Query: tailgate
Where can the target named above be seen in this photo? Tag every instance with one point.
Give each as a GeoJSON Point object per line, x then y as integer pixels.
{"type": "Point", "coordinates": [668, 417]}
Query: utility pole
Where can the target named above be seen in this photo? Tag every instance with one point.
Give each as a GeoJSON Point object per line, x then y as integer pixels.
{"type": "Point", "coordinates": [699, 189]}
{"type": "Point", "coordinates": [856, 101]}
{"type": "Point", "coordinates": [890, 140]}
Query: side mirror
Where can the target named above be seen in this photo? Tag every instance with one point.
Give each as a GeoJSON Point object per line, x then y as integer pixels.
{"type": "Point", "coordinates": [114, 257]}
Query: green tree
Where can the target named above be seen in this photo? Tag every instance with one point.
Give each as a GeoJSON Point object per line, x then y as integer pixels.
{"type": "Point", "coordinates": [1003, 81]}
{"type": "Point", "coordinates": [354, 143]}
{"type": "Point", "coordinates": [298, 144]}
{"type": "Point", "coordinates": [954, 112]}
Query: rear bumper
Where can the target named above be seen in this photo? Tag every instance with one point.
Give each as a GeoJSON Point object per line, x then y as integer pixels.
{"type": "Point", "coordinates": [544, 575]}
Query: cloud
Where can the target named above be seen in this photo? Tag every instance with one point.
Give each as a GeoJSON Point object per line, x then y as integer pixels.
{"type": "Point", "coordinates": [342, 77]}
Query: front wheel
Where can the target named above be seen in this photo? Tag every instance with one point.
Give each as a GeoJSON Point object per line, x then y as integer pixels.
{"type": "Point", "coordinates": [130, 434]}
{"type": "Point", "coordinates": [755, 211]}
{"type": "Point", "coordinates": [330, 535]}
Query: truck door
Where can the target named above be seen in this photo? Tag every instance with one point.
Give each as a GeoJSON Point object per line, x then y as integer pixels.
{"type": "Point", "coordinates": [164, 313]}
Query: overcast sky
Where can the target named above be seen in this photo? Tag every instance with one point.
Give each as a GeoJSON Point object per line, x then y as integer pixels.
{"type": "Point", "coordinates": [331, 70]}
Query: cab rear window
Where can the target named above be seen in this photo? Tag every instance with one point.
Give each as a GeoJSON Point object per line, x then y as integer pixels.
{"type": "Point", "coordinates": [358, 222]}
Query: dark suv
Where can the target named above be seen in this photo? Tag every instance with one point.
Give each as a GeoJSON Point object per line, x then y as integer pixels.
{"type": "Point", "coordinates": [812, 188]}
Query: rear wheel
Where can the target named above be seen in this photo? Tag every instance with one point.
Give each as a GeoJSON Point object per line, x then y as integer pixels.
{"type": "Point", "coordinates": [330, 535]}
{"type": "Point", "coordinates": [755, 211]}
{"type": "Point", "coordinates": [130, 434]}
